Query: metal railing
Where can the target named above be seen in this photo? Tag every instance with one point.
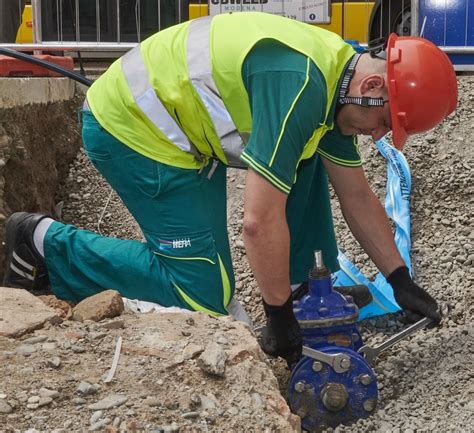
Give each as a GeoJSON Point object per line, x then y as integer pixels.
{"type": "Point", "coordinates": [118, 25]}
{"type": "Point", "coordinates": [420, 17]}
{"type": "Point", "coordinates": [64, 19]}
{"type": "Point", "coordinates": [98, 25]}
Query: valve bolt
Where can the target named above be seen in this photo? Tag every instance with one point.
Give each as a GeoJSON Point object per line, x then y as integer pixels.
{"type": "Point", "coordinates": [365, 379]}
{"type": "Point", "coordinates": [345, 363]}
{"type": "Point", "coordinates": [369, 405]}
{"type": "Point", "coordinates": [299, 386]}
{"type": "Point", "coordinates": [334, 396]}
{"type": "Point", "coordinates": [317, 366]}
{"type": "Point", "coordinates": [318, 259]}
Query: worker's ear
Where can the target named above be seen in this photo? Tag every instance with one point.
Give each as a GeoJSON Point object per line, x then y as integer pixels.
{"type": "Point", "coordinates": [372, 84]}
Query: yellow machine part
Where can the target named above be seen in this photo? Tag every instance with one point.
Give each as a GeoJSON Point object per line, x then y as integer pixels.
{"type": "Point", "coordinates": [356, 18]}
{"type": "Point", "coordinates": [25, 32]}
{"type": "Point", "coordinates": [197, 10]}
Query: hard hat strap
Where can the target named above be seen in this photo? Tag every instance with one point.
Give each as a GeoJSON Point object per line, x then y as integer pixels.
{"type": "Point", "coordinates": [363, 101]}
{"type": "Point", "coordinates": [348, 73]}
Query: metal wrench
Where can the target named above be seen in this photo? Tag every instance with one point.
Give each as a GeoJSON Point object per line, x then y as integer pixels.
{"type": "Point", "coordinates": [340, 362]}
{"type": "Point", "coordinates": [370, 353]}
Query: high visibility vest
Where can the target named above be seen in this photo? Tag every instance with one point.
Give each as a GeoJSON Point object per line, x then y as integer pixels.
{"type": "Point", "coordinates": [179, 98]}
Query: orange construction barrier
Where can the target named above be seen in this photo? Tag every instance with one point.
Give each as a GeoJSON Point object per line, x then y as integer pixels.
{"type": "Point", "coordinates": [10, 67]}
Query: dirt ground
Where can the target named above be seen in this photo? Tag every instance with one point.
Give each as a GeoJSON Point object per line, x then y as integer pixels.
{"type": "Point", "coordinates": [58, 379]}
{"type": "Point", "coordinates": [426, 383]}
{"type": "Point", "coordinates": [37, 146]}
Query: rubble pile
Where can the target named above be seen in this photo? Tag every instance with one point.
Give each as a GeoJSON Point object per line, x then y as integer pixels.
{"type": "Point", "coordinates": [124, 371]}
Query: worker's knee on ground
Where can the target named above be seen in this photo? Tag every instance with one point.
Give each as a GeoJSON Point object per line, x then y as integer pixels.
{"type": "Point", "coordinates": [195, 269]}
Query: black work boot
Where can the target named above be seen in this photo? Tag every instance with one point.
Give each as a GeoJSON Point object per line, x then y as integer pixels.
{"type": "Point", "coordinates": [25, 267]}
{"type": "Point", "coordinates": [360, 294]}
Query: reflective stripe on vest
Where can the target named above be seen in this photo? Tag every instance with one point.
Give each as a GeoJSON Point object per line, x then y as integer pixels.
{"type": "Point", "coordinates": [200, 75]}
{"type": "Point", "coordinates": [136, 74]}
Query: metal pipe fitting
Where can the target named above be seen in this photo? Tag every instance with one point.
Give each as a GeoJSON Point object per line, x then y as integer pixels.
{"type": "Point", "coordinates": [334, 396]}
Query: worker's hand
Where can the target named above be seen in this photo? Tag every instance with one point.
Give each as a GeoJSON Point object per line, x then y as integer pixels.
{"type": "Point", "coordinates": [282, 336]}
{"type": "Point", "coordinates": [411, 297]}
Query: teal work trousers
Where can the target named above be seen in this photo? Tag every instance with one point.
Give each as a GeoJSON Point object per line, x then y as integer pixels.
{"type": "Point", "coordinates": [185, 260]}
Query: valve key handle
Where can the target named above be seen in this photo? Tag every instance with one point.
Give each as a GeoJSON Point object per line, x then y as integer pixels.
{"type": "Point", "coordinates": [370, 353]}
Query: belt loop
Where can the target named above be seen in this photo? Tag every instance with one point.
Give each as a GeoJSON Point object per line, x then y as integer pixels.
{"type": "Point", "coordinates": [80, 113]}
{"type": "Point", "coordinates": [215, 163]}
{"type": "Point", "coordinates": [203, 164]}
{"type": "Point", "coordinates": [79, 117]}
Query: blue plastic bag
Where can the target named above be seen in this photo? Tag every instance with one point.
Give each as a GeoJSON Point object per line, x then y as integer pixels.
{"type": "Point", "coordinates": [397, 206]}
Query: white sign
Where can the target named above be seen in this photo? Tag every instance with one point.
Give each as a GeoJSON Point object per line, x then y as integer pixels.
{"type": "Point", "coordinates": [308, 11]}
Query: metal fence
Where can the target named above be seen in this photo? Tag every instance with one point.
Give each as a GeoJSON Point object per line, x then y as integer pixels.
{"type": "Point", "coordinates": [98, 25]}
{"type": "Point", "coordinates": [117, 25]}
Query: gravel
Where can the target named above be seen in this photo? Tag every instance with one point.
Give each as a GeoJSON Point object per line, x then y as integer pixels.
{"type": "Point", "coordinates": [425, 382]}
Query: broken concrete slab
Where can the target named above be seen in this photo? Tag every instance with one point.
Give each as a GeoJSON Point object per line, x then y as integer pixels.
{"type": "Point", "coordinates": [63, 308]}
{"type": "Point", "coordinates": [21, 312]}
{"type": "Point", "coordinates": [148, 386]}
{"type": "Point", "coordinates": [104, 305]}
{"type": "Point", "coordinates": [18, 91]}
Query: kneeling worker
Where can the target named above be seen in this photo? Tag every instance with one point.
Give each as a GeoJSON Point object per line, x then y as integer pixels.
{"type": "Point", "coordinates": [281, 98]}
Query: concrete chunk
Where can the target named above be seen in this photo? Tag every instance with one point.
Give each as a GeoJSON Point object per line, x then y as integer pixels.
{"type": "Point", "coordinates": [109, 402]}
{"type": "Point", "coordinates": [212, 360]}
{"type": "Point", "coordinates": [5, 407]}
{"type": "Point", "coordinates": [21, 312]}
{"type": "Point", "coordinates": [104, 305]}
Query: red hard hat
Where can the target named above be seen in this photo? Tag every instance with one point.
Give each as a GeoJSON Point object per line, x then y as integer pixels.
{"type": "Point", "coordinates": [422, 86]}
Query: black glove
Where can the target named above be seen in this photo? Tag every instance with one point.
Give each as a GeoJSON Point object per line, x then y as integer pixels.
{"type": "Point", "coordinates": [412, 297]}
{"type": "Point", "coordinates": [282, 336]}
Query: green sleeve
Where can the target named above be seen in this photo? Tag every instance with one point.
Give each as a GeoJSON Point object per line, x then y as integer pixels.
{"type": "Point", "coordinates": [287, 96]}
{"type": "Point", "coordinates": [340, 149]}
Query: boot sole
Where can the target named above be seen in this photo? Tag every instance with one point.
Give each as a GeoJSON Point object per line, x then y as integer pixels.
{"type": "Point", "coordinates": [10, 240]}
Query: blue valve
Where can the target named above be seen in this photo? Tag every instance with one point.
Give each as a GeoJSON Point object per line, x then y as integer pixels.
{"type": "Point", "coordinates": [321, 393]}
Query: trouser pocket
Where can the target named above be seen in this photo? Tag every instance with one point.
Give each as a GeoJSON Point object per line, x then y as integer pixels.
{"type": "Point", "coordinates": [195, 268]}
{"type": "Point", "coordinates": [127, 171]}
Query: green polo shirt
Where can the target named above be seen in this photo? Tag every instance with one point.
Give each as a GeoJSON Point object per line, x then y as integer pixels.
{"type": "Point", "coordinates": [287, 94]}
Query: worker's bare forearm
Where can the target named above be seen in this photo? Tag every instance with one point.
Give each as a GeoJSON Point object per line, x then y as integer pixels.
{"type": "Point", "coordinates": [268, 253]}
{"type": "Point", "coordinates": [267, 238]}
{"type": "Point", "coordinates": [365, 216]}
{"type": "Point", "coordinates": [369, 224]}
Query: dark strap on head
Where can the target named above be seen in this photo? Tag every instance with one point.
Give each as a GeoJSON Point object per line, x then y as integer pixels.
{"type": "Point", "coordinates": [363, 101]}
{"type": "Point", "coordinates": [349, 72]}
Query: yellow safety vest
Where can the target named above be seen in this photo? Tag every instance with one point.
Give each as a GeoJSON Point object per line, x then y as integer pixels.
{"type": "Point", "coordinates": [179, 98]}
